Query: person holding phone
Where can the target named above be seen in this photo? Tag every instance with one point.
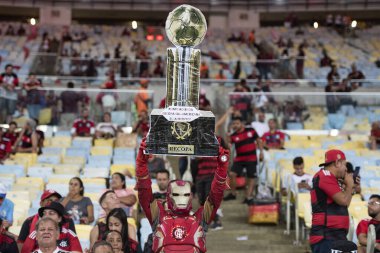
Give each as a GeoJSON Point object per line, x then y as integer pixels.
{"type": "Point", "coordinates": [330, 221]}
{"type": "Point", "coordinates": [299, 177]}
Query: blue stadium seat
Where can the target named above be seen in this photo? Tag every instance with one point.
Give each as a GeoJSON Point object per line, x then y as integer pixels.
{"type": "Point", "coordinates": [336, 121]}
{"type": "Point", "coordinates": [18, 170]}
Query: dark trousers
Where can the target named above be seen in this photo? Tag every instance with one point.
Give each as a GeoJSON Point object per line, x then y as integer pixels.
{"type": "Point", "coordinates": [203, 186]}
{"type": "Point", "coordinates": [323, 246]}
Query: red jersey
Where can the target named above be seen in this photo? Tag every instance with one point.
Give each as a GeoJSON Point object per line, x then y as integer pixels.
{"type": "Point", "coordinates": [330, 220]}
{"type": "Point", "coordinates": [273, 140]}
{"type": "Point", "coordinates": [83, 126]}
{"type": "Point", "coordinates": [245, 145]}
{"type": "Point", "coordinates": [363, 227]}
{"type": "Point", "coordinates": [10, 137]}
{"type": "Point", "coordinates": [68, 241]}
{"type": "Point", "coordinates": [5, 148]}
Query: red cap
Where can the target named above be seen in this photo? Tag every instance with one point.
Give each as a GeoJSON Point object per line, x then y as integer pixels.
{"type": "Point", "coordinates": [49, 193]}
{"type": "Point", "coordinates": [332, 156]}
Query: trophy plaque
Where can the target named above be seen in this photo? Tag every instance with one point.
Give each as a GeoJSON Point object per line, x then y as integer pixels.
{"type": "Point", "coordinates": [180, 128]}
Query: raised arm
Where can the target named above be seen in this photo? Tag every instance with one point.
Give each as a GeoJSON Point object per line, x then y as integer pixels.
{"type": "Point", "coordinates": [219, 184]}
{"type": "Point", "coordinates": [144, 184]}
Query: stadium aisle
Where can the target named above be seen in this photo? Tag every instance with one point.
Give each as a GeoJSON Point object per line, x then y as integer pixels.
{"type": "Point", "coordinates": [263, 238]}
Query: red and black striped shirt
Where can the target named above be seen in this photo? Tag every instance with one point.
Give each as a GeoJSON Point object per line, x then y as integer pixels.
{"type": "Point", "coordinates": [330, 220]}
{"type": "Point", "coordinates": [206, 166]}
{"type": "Point", "coordinates": [245, 145]}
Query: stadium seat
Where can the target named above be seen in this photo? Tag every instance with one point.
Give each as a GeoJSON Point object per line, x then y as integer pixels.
{"type": "Point", "coordinates": [122, 168]}
{"type": "Point", "coordinates": [35, 182]}
{"type": "Point", "coordinates": [18, 195]}
{"type": "Point", "coordinates": [61, 141]}
{"type": "Point", "coordinates": [7, 180]}
{"type": "Point", "coordinates": [90, 171]}
{"type": "Point", "coordinates": [71, 169]}
{"type": "Point", "coordinates": [76, 160]}
{"type": "Point", "coordinates": [50, 159]}
{"type": "Point", "coordinates": [39, 171]}
{"type": "Point", "coordinates": [104, 143]}
{"type": "Point", "coordinates": [103, 151]}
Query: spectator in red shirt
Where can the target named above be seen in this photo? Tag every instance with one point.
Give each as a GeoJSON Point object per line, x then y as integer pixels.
{"type": "Point", "coordinates": [110, 82]}
{"type": "Point", "coordinates": [362, 229]}
{"type": "Point", "coordinates": [10, 135]}
{"type": "Point", "coordinates": [274, 139]}
{"type": "Point", "coordinates": [83, 126]}
{"type": "Point", "coordinates": [375, 135]}
{"type": "Point", "coordinates": [47, 234]}
{"type": "Point", "coordinates": [7, 243]}
{"type": "Point", "coordinates": [67, 238]}
{"type": "Point", "coordinates": [330, 221]}
{"type": "Point", "coordinates": [27, 141]}
{"type": "Point", "coordinates": [8, 82]}
{"type": "Point", "coordinates": [29, 225]}
{"type": "Point", "coordinates": [246, 141]}
{"type": "Point", "coordinates": [5, 147]}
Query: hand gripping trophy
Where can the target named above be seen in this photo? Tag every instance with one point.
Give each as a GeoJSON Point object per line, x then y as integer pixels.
{"type": "Point", "coordinates": [175, 229]}
{"type": "Point", "coordinates": [180, 128]}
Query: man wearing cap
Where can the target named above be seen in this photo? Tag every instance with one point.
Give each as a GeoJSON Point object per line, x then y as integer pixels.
{"type": "Point", "coordinates": [47, 197]}
{"type": "Point", "coordinates": [67, 239]}
{"type": "Point", "coordinates": [330, 202]}
{"type": "Point", "coordinates": [362, 229]}
{"type": "Point", "coordinates": [6, 208]}
{"type": "Point", "coordinates": [47, 235]}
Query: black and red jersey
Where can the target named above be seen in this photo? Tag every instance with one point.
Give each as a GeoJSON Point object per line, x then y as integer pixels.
{"type": "Point", "coordinates": [5, 148]}
{"type": "Point", "coordinates": [363, 227]}
{"type": "Point", "coordinates": [245, 145]}
{"type": "Point", "coordinates": [26, 140]}
{"type": "Point", "coordinates": [10, 137]}
{"type": "Point", "coordinates": [329, 220]}
{"type": "Point", "coordinates": [7, 244]}
{"type": "Point", "coordinates": [206, 167]}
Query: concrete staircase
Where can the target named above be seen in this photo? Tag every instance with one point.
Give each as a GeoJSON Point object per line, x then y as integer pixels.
{"type": "Point", "coordinates": [261, 238]}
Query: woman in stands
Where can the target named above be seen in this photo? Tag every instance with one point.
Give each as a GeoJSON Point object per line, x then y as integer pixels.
{"type": "Point", "coordinates": [79, 208]}
{"type": "Point", "coordinates": [27, 141]}
{"type": "Point", "coordinates": [115, 238]}
{"type": "Point", "coordinates": [117, 220]}
{"type": "Point", "coordinates": [126, 196]}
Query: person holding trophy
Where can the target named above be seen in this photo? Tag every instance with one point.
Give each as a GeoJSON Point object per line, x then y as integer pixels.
{"type": "Point", "coordinates": [181, 129]}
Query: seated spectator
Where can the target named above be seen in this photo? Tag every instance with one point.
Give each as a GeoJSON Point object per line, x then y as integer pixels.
{"type": "Point", "coordinates": [162, 178]}
{"type": "Point", "coordinates": [83, 126]}
{"type": "Point", "coordinates": [117, 220]}
{"type": "Point", "coordinates": [27, 141]}
{"type": "Point", "coordinates": [47, 234]}
{"type": "Point", "coordinates": [355, 73]}
{"type": "Point", "coordinates": [106, 129]}
{"type": "Point", "coordinates": [142, 125]}
{"type": "Point", "coordinates": [7, 243]}
{"type": "Point", "coordinates": [102, 247]}
{"type": "Point", "coordinates": [375, 135]}
{"type": "Point", "coordinates": [155, 164]}
{"type": "Point", "coordinates": [20, 112]}
{"type": "Point", "coordinates": [6, 208]}
{"type": "Point", "coordinates": [108, 201]}
{"type": "Point", "coordinates": [273, 139]}
{"type": "Point", "coordinates": [47, 197]}
{"type": "Point", "coordinates": [67, 238]}
{"type": "Point", "coordinates": [5, 147]}
{"type": "Point", "coordinates": [125, 195]}
{"type": "Point", "coordinates": [110, 82]}
{"type": "Point", "coordinates": [34, 98]}
{"type": "Point", "coordinates": [142, 98]}
{"type": "Point", "coordinates": [362, 229]}
{"type": "Point", "coordinates": [10, 135]}
{"type": "Point", "coordinates": [117, 241]}
{"type": "Point", "coordinates": [204, 71]}
{"type": "Point", "coordinates": [303, 180]}
{"type": "Point", "coordinates": [79, 208]}
{"type": "Point", "coordinates": [260, 125]}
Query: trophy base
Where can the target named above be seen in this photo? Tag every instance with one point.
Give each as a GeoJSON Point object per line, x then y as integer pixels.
{"type": "Point", "coordinates": [194, 138]}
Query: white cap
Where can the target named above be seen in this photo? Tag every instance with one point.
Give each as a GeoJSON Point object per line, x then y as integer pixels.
{"type": "Point", "coordinates": [3, 191]}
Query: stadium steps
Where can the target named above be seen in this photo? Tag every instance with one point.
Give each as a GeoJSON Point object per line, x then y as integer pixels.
{"type": "Point", "coordinates": [261, 238]}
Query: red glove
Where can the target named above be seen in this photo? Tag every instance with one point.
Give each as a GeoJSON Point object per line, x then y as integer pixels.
{"type": "Point", "coordinates": [223, 161]}
{"type": "Point", "coordinates": [142, 161]}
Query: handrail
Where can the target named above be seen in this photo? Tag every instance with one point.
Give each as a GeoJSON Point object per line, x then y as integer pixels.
{"type": "Point", "coordinates": [371, 239]}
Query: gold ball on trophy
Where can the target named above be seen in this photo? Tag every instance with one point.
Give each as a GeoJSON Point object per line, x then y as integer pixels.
{"type": "Point", "coordinates": [186, 26]}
